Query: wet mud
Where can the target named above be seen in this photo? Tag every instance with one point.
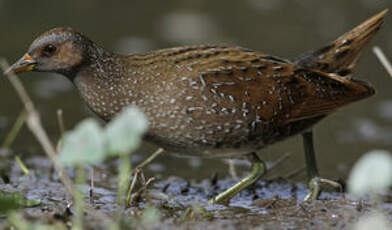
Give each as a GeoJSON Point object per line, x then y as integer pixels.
{"type": "Point", "coordinates": [182, 204]}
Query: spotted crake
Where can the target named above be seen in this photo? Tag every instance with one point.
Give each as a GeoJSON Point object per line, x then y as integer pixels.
{"type": "Point", "coordinates": [212, 100]}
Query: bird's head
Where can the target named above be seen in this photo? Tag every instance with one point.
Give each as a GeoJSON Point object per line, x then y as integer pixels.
{"type": "Point", "coordinates": [60, 50]}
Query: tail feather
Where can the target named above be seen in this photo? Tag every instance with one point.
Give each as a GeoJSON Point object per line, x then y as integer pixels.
{"type": "Point", "coordinates": [340, 56]}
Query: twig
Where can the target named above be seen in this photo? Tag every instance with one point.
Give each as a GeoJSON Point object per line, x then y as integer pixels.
{"type": "Point", "coordinates": [383, 59]}
{"type": "Point", "coordinates": [11, 138]}
{"type": "Point", "coordinates": [34, 123]}
{"type": "Point", "coordinates": [15, 130]}
{"type": "Point", "coordinates": [131, 188]}
{"type": "Point", "coordinates": [148, 160]}
{"type": "Point", "coordinates": [232, 171]}
{"type": "Point", "coordinates": [138, 174]}
{"type": "Point", "coordinates": [91, 190]}
{"type": "Point", "coordinates": [60, 121]}
{"type": "Point", "coordinates": [142, 177]}
{"type": "Point", "coordinates": [80, 179]}
{"type": "Point", "coordinates": [123, 180]}
{"type": "Point", "coordinates": [22, 165]}
{"type": "Point", "coordinates": [138, 194]}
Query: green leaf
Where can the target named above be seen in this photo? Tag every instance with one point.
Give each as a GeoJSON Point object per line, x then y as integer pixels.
{"type": "Point", "coordinates": [124, 133]}
{"type": "Point", "coordinates": [84, 145]}
{"type": "Point", "coordinates": [18, 222]}
{"type": "Point", "coordinates": [14, 200]}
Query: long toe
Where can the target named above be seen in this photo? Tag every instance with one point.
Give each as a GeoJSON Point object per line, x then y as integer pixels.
{"type": "Point", "coordinates": [315, 187]}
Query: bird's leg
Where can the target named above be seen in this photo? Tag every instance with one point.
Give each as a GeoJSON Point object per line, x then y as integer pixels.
{"type": "Point", "coordinates": [315, 181]}
{"type": "Point", "coordinates": [258, 170]}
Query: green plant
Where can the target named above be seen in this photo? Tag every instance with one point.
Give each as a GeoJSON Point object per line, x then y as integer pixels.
{"type": "Point", "coordinates": [371, 176]}
{"type": "Point", "coordinates": [89, 143]}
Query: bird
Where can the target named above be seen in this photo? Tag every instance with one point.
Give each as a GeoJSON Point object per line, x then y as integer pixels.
{"type": "Point", "coordinates": [213, 100]}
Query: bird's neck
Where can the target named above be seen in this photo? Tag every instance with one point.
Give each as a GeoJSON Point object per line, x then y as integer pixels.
{"type": "Point", "coordinates": [101, 83]}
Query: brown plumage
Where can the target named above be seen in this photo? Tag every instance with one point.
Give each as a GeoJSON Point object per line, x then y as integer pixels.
{"type": "Point", "coordinates": [209, 100]}
{"type": "Point", "coordinates": [341, 55]}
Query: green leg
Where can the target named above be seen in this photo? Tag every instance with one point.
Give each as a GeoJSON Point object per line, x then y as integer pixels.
{"type": "Point", "coordinates": [258, 169]}
{"type": "Point", "coordinates": [315, 181]}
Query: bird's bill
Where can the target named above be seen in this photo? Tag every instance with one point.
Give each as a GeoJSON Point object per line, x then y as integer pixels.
{"type": "Point", "coordinates": [25, 64]}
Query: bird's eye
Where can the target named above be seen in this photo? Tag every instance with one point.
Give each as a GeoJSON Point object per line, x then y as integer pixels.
{"type": "Point", "coordinates": [49, 50]}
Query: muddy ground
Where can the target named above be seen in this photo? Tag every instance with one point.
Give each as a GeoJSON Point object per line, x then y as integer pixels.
{"type": "Point", "coordinates": [181, 204]}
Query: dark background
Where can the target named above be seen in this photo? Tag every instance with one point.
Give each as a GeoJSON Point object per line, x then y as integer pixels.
{"type": "Point", "coordinates": [284, 28]}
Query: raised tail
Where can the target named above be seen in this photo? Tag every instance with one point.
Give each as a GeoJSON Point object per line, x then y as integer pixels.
{"type": "Point", "coordinates": [340, 56]}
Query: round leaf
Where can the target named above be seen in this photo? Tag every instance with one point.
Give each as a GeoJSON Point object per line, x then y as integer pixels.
{"type": "Point", "coordinates": [83, 145]}
{"type": "Point", "coordinates": [372, 173]}
{"type": "Point", "coordinates": [124, 133]}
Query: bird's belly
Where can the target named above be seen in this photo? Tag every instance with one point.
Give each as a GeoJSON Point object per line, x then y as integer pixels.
{"type": "Point", "coordinates": [205, 151]}
{"type": "Point", "coordinates": [231, 145]}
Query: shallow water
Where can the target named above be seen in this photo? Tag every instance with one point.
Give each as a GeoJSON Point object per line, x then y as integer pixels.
{"type": "Point", "coordinates": [278, 27]}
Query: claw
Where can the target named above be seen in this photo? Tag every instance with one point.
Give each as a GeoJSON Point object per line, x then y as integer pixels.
{"type": "Point", "coordinates": [315, 187]}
